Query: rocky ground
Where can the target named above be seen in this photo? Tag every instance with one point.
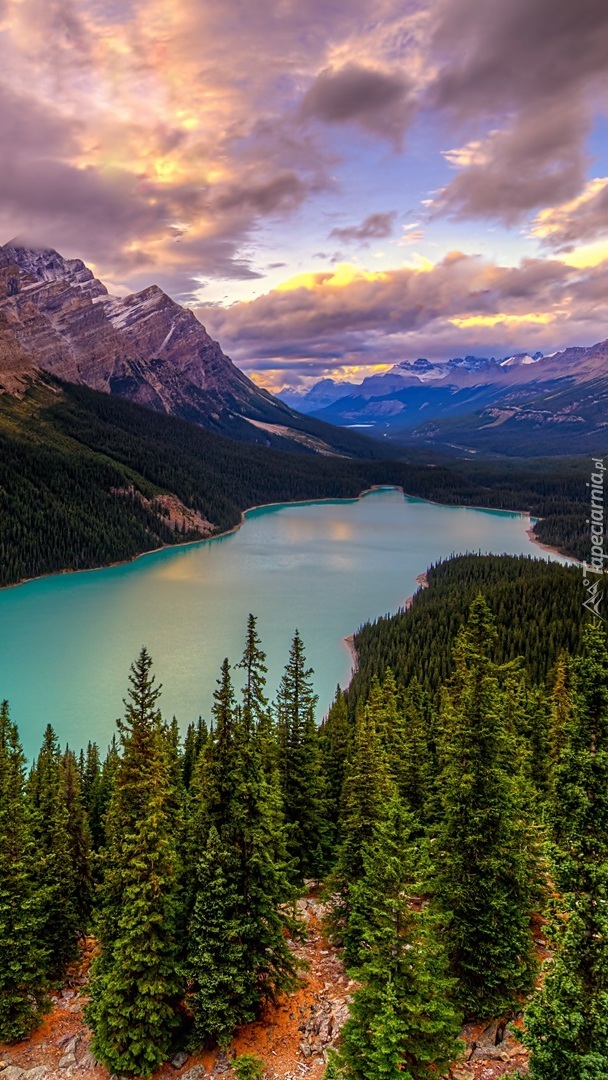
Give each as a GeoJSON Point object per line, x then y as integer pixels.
{"type": "Point", "coordinates": [292, 1038]}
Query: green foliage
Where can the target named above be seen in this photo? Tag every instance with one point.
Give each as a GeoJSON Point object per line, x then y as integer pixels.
{"type": "Point", "coordinates": [135, 988]}
{"type": "Point", "coordinates": [567, 1022]}
{"type": "Point", "coordinates": [367, 788]}
{"type": "Point", "coordinates": [242, 890]}
{"type": "Point", "coordinates": [483, 851]}
{"type": "Point", "coordinates": [55, 837]}
{"type": "Point", "coordinates": [24, 963]}
{"type": "Point", "coordinates": [536, 605]}
{"type": "Point", "coordinates": [402, 1021]}
{"type": "Point", "coordinates": [79, 472]}
{"type": "Point", "coordinates": [300, 770]}
{"type": "Point", "coordinates": [334, 742]}
{"type": "Point", "coordinates": [222, 994]}
{"type": "Point", "coordinates": [248, 1067]}
{"type": "Point", "coordinates": [79, 840]}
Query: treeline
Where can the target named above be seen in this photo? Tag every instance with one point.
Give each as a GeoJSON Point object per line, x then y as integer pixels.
{"type": "Point", "coordinates": [442, 824]}
{"type": "Point", "coordinates": [537, 606]}
{"type": "Point", "coordinates": [68, 454]}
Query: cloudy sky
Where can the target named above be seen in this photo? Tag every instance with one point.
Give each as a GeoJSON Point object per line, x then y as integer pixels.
{"type": "Point", "coordinates": [332, 185]}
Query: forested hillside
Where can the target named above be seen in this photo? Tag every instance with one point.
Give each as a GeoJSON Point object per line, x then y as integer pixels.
{"type": "Point", "coordinates": [537, 605]}
{"type": "Point", "coordinates": [87, 479]}
{"type": "Point", "coordinates": [451, 814]}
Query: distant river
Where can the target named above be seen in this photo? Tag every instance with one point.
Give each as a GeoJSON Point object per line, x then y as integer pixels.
{"type": "Point", "coordinates": [66, 641]}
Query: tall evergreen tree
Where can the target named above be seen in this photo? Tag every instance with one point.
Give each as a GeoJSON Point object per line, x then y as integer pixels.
{"type": "Point", "coordinates": [104, 792]}
{"type": "Point", "coordinates": [334, 742]}
{"type": "Point", "coordinates": [79, 840]}
{"type": "Point", "coordinates": [194, 741]}
{"type": "Point", "coordinates": [416, 773]}
{"type": "Point", "coordinates": [402, 1021]}
{"type": "Point", "coordinates": [253, 665]}
{"type": "Point", "coordinates": [483, 850]}
{"type": "Point", "coordinates": [91, 787]}
{"type": "Point", "coordinates": [23, 964]}
{"type": "Point", "coordinates": [238, 822]}
{"type": "Point", "coordinates": [134, 985]}
{"type": "Point", "coordinates": [561, 707]}
{"type": "Point", "coordinates": [56, 871]}
{"type": "Point", "coordinates": [223, 992]}
{"type": "Point", "coordinates": [302, 780]}
{"type": "Point", "coordinates": [367, 788]}
{"type": "Point", "coordinates": [567, 1022]}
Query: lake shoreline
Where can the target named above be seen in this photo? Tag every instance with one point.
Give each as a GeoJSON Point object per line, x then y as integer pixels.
{"type": "Point", "coordinates": [326, 566]}
{"type": "Point", "coordinates": [295, 502]}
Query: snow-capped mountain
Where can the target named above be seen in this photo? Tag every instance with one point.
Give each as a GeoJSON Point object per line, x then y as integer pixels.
{"type": "Point", "coordinates": [521, 359]}
{"type": "Point", "coordinates": [55, 316]}
{"type": "Point", "coordinates": [440, 401]}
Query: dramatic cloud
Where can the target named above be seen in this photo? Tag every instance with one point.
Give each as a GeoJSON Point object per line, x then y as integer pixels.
{"type": "Point", "coordinates": [379, 103]}
{"type": "Point", "coordinates": [284, 192]}
{"type": "Point", "coordinates": [497, 56]}
{"type": "Point", "coordinates": [532, 71]}
{"type": "Point", "coordinates": [581, 220]}
{"type": "Point", "coordinates": [533, 162]}
{"type": "Point", "coordinates": [208, 146]}
{"type": "Point", "coordinates": [375, 227]}
{"type": "Point", "coordinates": [353, 320]}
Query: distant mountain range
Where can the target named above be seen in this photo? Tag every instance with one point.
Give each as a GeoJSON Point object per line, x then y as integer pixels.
{"type": "Point", "coordinates": [523, 404]}
{"type": "Point", "coordinates": [55, 316]}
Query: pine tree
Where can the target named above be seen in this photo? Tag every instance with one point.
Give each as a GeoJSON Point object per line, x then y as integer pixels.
{"type": "Point", "coordinates": [567, 1022]}
{"type": "Point", "coordinates": [561, 707]}
{"type": "Point", "coordinates": [24, 963]}
{"type": "Point", "coordinates": [334, 741]}
{"type": "Point", "coordinates": [91, 787]}
{"type": "Point", "coordinates": [56, 871]}
{"type": "Point", "coordinates": [79, 840]}
{"type": "Point", "coordinates": [134, 985]}
{"type": "Point", "coordinates": [402, 1021]}
{"type": "Point", "coordinates": [300, 766]}
{"type": "Point", "coordinates": [256, 712]}
{"type": "Point", "coordinates": [223, 994]}
{"type": "Point", "coordinates": [416, 772]}
{"type": "Point", "coordinates": [253, 664]}
{"type": "Point", "coordinates": [366, 790]}
{"type": "Point", "coordinates": [237, 818]}
{"type": "Point", "coordinates": [483, 849]}
{"type": "Point", "coordinates": [194, 741]}
{"type": "Point", "coordinates": [105, 791]}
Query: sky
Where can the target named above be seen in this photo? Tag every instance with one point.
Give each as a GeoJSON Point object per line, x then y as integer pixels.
{"type": "Point", "coordinates": [333, 186]}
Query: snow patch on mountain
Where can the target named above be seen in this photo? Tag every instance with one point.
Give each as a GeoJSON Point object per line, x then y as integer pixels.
{"type": "Point", "coordinates": [522, 359]}
{"type": "Point", "coordinates": [47, 265]}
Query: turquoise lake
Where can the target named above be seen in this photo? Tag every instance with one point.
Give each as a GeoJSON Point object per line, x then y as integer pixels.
{"type": "Point", "coordinates": [66, 641]}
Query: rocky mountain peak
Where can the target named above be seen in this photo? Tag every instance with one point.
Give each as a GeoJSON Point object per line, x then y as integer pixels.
{"type": "Point", "coordinates": [56, 316]}
{"type": "Point", "coordinates": [46, 264]}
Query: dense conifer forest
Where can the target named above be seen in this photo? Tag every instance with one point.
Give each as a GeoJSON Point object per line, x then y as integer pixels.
{"type": "Point", "coordinates": [452, 797]}
{"type": "Point", "coordinates": [81, 474]}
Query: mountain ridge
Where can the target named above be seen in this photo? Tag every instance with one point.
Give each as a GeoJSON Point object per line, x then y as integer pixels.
{"type": "Point", "coordinates": [458, 403]}
{"type": "Point", "coordinates": [55, 316]}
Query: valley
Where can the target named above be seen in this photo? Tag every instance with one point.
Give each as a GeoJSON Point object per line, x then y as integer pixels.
{"type": "Point", "coordinates": [516, 407]}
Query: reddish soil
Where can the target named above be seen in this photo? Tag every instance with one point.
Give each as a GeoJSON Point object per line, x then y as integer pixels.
{"type": "Point", "coordinates": [286, 1038]}
{"type": "Point", "coordinates": [275, 1038]}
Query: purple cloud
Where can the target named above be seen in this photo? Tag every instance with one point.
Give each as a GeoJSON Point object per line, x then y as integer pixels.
{"type": "Point", "coordinates": [379, 103]}
{"type": "Point", "coordinates": [374, 227]}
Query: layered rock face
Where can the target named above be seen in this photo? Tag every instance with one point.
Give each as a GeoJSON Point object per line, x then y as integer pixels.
{"type": "Point", "coordinates": [57, 317]}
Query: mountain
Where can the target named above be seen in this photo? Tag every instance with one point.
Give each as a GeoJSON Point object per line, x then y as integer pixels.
{"type": "Point", "coordinates": [541, 404]}
{"type": "Point", "coordinates": [521, 359]}
{"type": "Point", "coordinates": [317, 397]}
{"type": "Point", "coordinates": [57, 317]}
